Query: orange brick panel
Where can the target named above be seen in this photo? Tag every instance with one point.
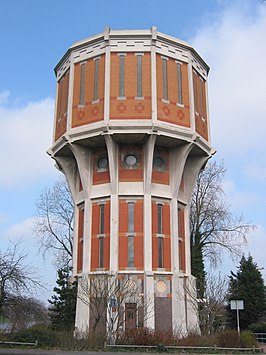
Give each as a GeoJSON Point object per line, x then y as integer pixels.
{"type": "Point", "coordinates": [106, 253]}
{"type": "Point", "coordinates": [94, 252]}
{"type": "Point", "coordinates": [107, 217]}
{"type": "Point", "coordinates": [166, 219]}
{"type": "Point", "coordinates": [95, 218]}
{"type": "Point", "coordinates": [139, 216]}
{"type": "Point", "coordinates": [170, 112]}
{"type": "Point", "coordinates": [154, 236]}
{"type": "Point", "coordinates": [62, 106]}
{"type": "Point", "coordinates": [181, 244]}
{"type": "Point", "coordinates": [102, 177]}
{"type": "Point", "coordinates": [91, 112]}
{"type": "Point", "coordinates": [80, 239]}
{"type": "Point", "coordinates": [130, 108]}
{"type": "Point", "coordinates": [123, 218]}
{"type": "Point", "coordinates": [130, 175]}
{"type": "Point", "coordinates": [167, 253]}
{"type": "Point", "coordinates": [160, 177]}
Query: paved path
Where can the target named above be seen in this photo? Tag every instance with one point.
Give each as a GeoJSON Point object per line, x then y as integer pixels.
{"type": "Point", "coordinates": [8, 351]}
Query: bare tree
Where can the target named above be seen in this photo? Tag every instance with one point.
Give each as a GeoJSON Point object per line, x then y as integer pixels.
{"type": "Point", "coordinates": [23, 312]}
{"type": "Point", "coordinates": [107, 296]}
{"type": "Point", "coordinates": [213, 226]}
{"type": "Point", "coordinates": [54, 222]}
{"type": "Point", "coordinates": [211, 308]}
{"type": "Point", "coordinates": [17, 277]}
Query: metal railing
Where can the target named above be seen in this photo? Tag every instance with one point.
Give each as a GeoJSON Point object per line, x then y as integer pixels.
{"type": "Point", "coordinates": [261, 337]}
{"type": "Point", "coordinates": [196, 349]}
{"type": "Point", "coordinates": [19, 343]}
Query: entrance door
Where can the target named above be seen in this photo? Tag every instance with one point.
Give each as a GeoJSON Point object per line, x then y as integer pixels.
{"type": "Point", "coordinates": [131, 315]}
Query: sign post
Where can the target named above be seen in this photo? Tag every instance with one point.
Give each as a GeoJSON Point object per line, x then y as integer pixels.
{"type": "Point", "coordinates": [237, 305]}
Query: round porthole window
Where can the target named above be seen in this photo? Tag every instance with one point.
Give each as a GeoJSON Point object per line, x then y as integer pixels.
{"type": "Point", "coordinates": [131, 160]}
{"type": "Point", "coordinates": [159, 162]}
{"type": "Point", "coordinates": [161, 286]}
{"type": "Point", "coordinates": [102, 163]}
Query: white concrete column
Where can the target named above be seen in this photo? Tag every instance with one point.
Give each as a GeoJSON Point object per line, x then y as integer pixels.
{"type": "Point", "coordinates": [70, 92]}
{"type": "Point", "coordinates": [87, 236]}
{"type": "Point", "coordinates": [82, 313]}
{"type": "Point", "coordinates": [114, 218]}
{"type": "Point", "coordinates": [191, 95]}
{"type": "Point", "coordinates": [174, 236]}
{"type": "Point", "coordinates": [153, 75]}
{"type": "Point", "coordinates": [107, 76]}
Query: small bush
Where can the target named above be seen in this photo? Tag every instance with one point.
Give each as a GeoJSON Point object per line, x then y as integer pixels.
{"type": "Point", "coordinates": [44, 335]}
{"type": "Point", "coordinates": [231, 339]}
{"type": "Point", "coordinates": [148, 337]}
{"type": "Point", "coordinates": [228, 339]}
{"type": "Point", "coordinates": [89, 341]}
{"type": "Point", "coordinates": [248, 339]}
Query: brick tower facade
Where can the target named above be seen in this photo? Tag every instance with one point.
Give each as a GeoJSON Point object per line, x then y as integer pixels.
{"type": "Point", "coordinates": [131, 134]}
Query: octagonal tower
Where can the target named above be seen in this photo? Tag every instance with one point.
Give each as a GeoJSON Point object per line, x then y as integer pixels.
{"type": "Point", "coordinates": [131, 134]}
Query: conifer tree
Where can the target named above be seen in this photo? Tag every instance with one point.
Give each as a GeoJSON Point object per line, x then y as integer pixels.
{"type": "Point", "coordinates": [247, 285]}
{"type": "Point", "coordinates": [63, 303]}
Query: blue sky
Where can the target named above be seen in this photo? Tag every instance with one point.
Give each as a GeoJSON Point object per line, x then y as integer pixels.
{"type": "Point", "coordinates": [230, 35]}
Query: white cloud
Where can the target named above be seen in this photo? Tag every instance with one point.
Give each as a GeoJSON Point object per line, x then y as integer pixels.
{"type": "Point", "coordinates": [26, 134]}
{"type": "Point", "coordinates": [21, 230]}
{"type": "Point", "coordinates": [233, 44]}
{"type": "Point", "coordinates": [4, 97]}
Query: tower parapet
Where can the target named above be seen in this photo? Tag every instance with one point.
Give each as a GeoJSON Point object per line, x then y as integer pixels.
{"type": "Point", "coordinates": [131, 134]}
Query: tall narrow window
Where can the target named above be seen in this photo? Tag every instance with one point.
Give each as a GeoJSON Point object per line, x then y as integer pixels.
{"type": "Point", "coordinates": [102, 219]}
{"type": "Point", "coordinates": [202, 103]}
{"type": "Point", "coordinates": [101, 236]}
{"type": "Point", "coordinates": [139, 75]}
{"type": "Point", "coordinates": [195, 91]}
{"type": "Point", "coordinates": [160, 215]}
{"type": "Point", "coordinates": [130, 209]}
{"type": "Point", "coordinates": [81, 91]}
{"type": "Point", "coordinates": [59, 98]}
{"type": "Point", "coordinates": [160, 252]}
{"type": "Point", "coordinates": [121, 75]}
{"type": "Point", "coordinates": [160, 235]}
{"type": "Point", "coordinates": [96, 79]}
{"type": "Point", "coordinates": [181, 240]}
{"type": "Point", "coordinates": [80, 238]}
{"type": "Point", "coordinates": [165, 81]}
{"type": "Point", "coordinates": [179, 84]}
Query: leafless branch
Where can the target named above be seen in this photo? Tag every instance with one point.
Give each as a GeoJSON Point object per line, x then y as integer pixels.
{"type": "Point", "coordinates": [54, 222]}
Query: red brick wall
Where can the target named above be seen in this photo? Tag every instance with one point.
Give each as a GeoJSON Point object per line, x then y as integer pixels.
{"type": "Point", "coordinates": [130, 108]}
{"type": "Point", "coordinates": [166, 236]}
{"type": "Point", "coordinates": [161, 176]}
{"type": "Point", "coordinates": [100, 176]}
{"type": "Point", "coordinates": [62, 106]}
{"type": "Point", "coordinates": [80, 238]}
{"type": "Point", "coordinates": [181, 244]}
{"type": "Point", "coordinates": [170, 112]}
{"type": "Point", "coordinates": [95, 230]}
{"type": "Point", "coordinates": [123, 235]}
{"type": "Point", "coordinates": [199, 88]}
{"type": "Point", "coordinates": [126, 173]}
{"type": "Point", "coordinates": [91, 112]}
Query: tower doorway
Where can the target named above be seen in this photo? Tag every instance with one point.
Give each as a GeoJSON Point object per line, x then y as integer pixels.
{"type": "Point", "coordinates": [130, 316]}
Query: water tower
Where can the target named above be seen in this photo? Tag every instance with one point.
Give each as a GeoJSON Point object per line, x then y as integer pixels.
{"type": "Point", "coordinates": [131, 134]}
